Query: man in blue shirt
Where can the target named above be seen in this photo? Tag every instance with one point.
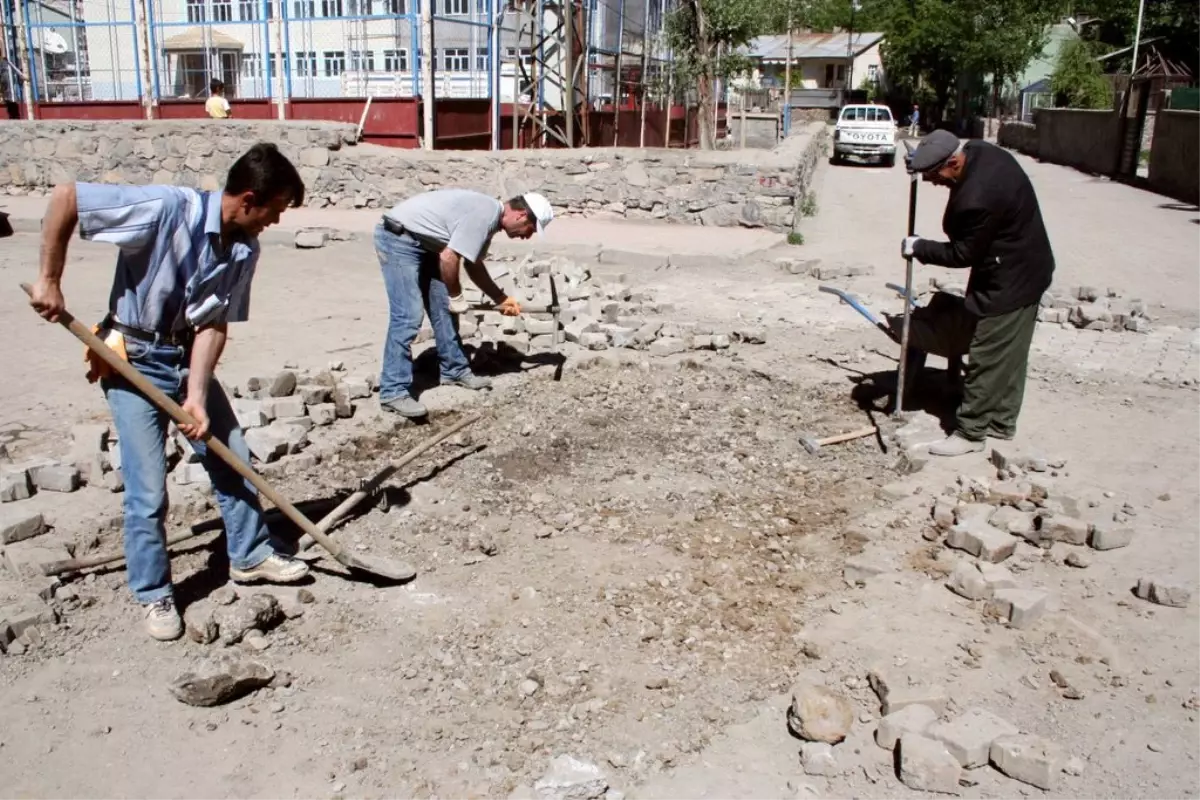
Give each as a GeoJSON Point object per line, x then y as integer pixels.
{"type": "Point", "coordinates": [183, 274]}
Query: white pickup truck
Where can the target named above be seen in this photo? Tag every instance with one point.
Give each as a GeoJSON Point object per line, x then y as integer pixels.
{"type": "Point", "coordinates": [865, 131]}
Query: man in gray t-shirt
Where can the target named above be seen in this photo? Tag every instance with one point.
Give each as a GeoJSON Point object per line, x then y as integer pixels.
{"type": "Point", "coordinates": [422, 244]}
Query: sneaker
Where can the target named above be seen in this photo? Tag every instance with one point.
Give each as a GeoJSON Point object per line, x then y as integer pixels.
{"type": "Point", "coordinates": [468, 381]}
{"type": "Point", "coordinates": [275, 568]}
{"type": "Point", "coordinates": [955, 445]}
{"type": "Point", "coordinates": [162, 620]}
{"type": "Point", "coordinates": [405, 406]}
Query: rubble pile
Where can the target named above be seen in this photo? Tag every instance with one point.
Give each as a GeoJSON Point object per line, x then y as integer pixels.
{"type": "Point", "coordinates": [1088, 308]}
{"type": "Point", "coordinates": [595, 315]}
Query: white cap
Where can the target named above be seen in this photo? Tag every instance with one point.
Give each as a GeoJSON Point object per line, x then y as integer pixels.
{"type": "Point", "coordinates": [540, 208]}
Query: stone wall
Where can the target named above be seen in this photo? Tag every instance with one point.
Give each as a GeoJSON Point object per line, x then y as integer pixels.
{"type": "Point", "coordinates": [762, 130]}
{"type": "Point", "coordinates": [722, 188]}
{"type": "Point", "coordinates": [1175, 155]}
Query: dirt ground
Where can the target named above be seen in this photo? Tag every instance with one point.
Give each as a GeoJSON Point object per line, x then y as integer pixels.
{"type": "Point", "coordinates": [634, 564]}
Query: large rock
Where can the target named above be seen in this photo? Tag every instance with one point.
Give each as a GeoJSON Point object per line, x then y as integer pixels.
{"type": "Point", "coordinates": [569, 778]}
{"type": "Point", "coordinates": [927, 766]}
{"type": "Point", "coordinates": [818, 714]}
{"type": "Point", "coordinates": [260, 611]}
{"type": "Point", "coordinates": [200, 622]}
{"type": "Point", "coordinates": [220, 679]}
{"type": "Point", "coordinates": [18, 524]}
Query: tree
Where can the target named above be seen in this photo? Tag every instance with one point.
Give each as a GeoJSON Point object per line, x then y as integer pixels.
{"type": "Point", "coordinates": [932, 43]}
{"type": "Point", "coordinates": [699, 30]}
{"type": "Point", "coordinates": [1077, 80]}
{"type": "Point", "coordinates": [1174, 23]}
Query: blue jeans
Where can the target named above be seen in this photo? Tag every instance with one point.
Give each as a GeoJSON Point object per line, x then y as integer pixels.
{"type": "Point", "coordinates": [414, 287]}
{"type": "Point", "coordinates": [141, 434]}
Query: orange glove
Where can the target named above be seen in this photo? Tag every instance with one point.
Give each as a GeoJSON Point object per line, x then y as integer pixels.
{"type": "Point", "coordinates": [98, 368]}
{"type": "Point", "coordinates": [510, 307]}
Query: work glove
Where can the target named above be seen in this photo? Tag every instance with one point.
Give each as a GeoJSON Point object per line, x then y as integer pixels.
{"type": "Point", "coordinates": [509, 307]}
{"type": "Point", "coordinates": [458, 304]}
{"type": "Point", "coordinates": [908, 246]}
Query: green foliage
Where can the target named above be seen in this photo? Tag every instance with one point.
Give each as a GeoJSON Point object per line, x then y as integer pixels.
{"type": "Point", "coordinates": [729, 24]}
{"type": "Point", "coordinates": [930, 43]}
{"type": "Point", "coordinates": [1174, 23]}
{"type": "Point", "coordinates": [809, 207]}
{"type": "Point", "coordinates": [1077, 80]}
{"type": "Point", "coordinates": [795, 238]}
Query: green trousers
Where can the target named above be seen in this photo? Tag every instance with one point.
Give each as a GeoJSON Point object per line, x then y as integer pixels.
{"type": "Point", "coordinates": [997, 350]}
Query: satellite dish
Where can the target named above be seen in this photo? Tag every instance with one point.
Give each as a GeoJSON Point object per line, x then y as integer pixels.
{"type": "Point", "coordinates": [53, 43]}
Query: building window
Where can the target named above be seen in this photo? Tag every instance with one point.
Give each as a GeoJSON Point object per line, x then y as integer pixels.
{"type": "Point", "coordinates": [360, 8]}
{"type": "Point", "coordinates": [222, 10]}
{"type": "Point", "coordinates": [335, 62]}
{"type": "Point", "coordinates": [392, 7]}
{"type": "Point", "coordinates": [331, 8]}
{"type": "Point", "coordinates": [873, 73]}
{"type": "Point", "coordinates": [306, 64]}
{"type": "Point", "coordinates": [455, 59]}
{"type": "Point", "coordinates": [510, 55]}
{"type": "Point", "coordinates": [305, 9]}
{"type": "Point", "coordinates": [395, 61]}
{"type": "Point", "coordinates": [362, 60]}
{"type": "Point", "coordinates": [455, 8]}
{"type": "Point", "coordinates": [251, 65]}
{"type": "Point", "coordinates": [481, 59]}
{"type": "Point", "coordinates": [195, 11]}
{"type": "Point", "coordinates": [248, 10]}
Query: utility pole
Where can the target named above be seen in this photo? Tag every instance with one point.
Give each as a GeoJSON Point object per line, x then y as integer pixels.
{"type": "Point", "coordinates": [1137, 35]}
{"type": "Point", "coordinates": [645, 73]}
{"type": "Point", "coordinates": [497, 19]}
{"type": "Point", "coordinates": [281, 80]}
{"type": "Point", "coordinates": [427, 57]}
{"type": "Point", "coordinates": [142, 20]}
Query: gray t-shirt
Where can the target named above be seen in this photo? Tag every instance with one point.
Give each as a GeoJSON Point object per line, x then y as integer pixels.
{"type": "Point", "coordinates": [461, 219]}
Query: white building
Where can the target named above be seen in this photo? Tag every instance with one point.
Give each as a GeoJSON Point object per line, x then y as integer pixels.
{"type": "Point", "coordinates": [334, 48]}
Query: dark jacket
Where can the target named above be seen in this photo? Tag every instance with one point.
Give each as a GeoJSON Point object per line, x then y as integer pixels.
{"type": "Point", "coordinates": [995, 228]}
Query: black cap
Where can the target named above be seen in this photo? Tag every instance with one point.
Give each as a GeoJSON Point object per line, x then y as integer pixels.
{"type": "Point", "coordinates": [933, 150]}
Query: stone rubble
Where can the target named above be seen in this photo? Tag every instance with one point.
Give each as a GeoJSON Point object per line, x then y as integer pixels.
{"type": "Point", "coordinates": [220, 679]}
{"type": "Point", "coordinates": [819, 714]}
{"type": "Point", "coordinates": [927, 766]}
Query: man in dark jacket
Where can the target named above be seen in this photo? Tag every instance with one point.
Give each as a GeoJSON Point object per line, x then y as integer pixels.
{"type": "Point", "coordinates": [995, 229]}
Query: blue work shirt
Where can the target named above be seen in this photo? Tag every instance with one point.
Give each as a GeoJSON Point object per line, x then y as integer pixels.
{"type": "Point", "coordinates": [172, 272]}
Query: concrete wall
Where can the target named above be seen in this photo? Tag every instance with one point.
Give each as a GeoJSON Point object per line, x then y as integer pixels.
{"type": "Point", "coordinates": [762, 130]}
{"type": "Point", "coordinates": [720, 188]}
{"type": "Point", "coordinates": [1175, 155]}
{"type": "Point", "coordinates": [1086, 140]}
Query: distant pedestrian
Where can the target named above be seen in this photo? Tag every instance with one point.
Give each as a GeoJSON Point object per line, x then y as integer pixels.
{"type": "Point", "coordinates": [217, 106]}
{"type": "Point", "coordinates": [914, 124]}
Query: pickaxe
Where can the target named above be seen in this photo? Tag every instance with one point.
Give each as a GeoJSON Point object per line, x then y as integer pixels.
{"type": "Point", "coordinates": [812, 444]}
{"type": "Point", "coordinates": [554, 309]}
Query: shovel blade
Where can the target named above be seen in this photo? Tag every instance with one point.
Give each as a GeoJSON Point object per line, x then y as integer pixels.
{"type": "Point", "coordinates": [385, 568]}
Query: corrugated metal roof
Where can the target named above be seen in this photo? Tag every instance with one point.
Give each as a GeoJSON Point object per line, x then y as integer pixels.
{"type": "Point", "coordinates": [809, 45]}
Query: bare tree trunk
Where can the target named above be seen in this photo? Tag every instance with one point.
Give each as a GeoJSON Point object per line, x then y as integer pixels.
{"type": "Point", "coordinates": [704, 80]}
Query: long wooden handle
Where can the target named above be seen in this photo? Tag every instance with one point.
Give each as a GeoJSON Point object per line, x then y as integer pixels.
{"type": "Point", "coordinates": [333, 517]}
{"type": "Point", "coordinates": [845, 437]}
{"type": "Point", "coordinates": [181, 417]}
{"type": "Point", "coordinates": [902, 368]}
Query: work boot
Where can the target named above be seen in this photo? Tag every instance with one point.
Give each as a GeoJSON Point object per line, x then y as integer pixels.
{"type": "Point", "coordinates": [162, 619]}
{"type": "Point", "coordinates": [275, 568]}
{"type": "Point", "coordinates": [405, 406]}
{"type": "Point", "coordinates": [468, 380]}
{"type": "Point", "coordinates": [955, 445]}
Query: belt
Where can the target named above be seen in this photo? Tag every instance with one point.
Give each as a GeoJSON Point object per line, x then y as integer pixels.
{"type": "Point", "coordinates": [393, 227]}
{"type": "Point", "coordinates": [175, 338]}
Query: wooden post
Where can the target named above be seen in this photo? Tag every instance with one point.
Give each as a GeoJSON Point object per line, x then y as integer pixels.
{"type": "Point", "coordinates": [742, 130]}
{"type": "Point", "coordinates": [645, 74]}
{"type": "Point", "coordinates": [568, 8]}
{"type": "Point", "coordinates": [23, 60]}
{"type": "Point", "coordinates": [617, 77]}
{"type": "Point", "coordinates": [787, 68]}
{"type": "Point", "coordinates": [281, 79]}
